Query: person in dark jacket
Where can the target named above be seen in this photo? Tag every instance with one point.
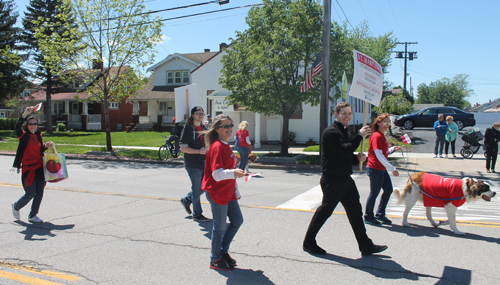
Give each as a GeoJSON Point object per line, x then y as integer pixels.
{"type": "Point", "coordinates": [193, 146]}
{"type": "Point", "coordinates": [174, 136]}
{"type": "Point", "coordinates": [441, 127]}
{"type": "Point", "coordinates": [337, 159]}
{"type": "Point", "coordinates": [491, 138]}
{"type": "Point", "coordinates": [29, 158]}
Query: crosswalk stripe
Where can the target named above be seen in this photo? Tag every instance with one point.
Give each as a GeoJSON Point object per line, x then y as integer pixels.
{"type": "Point", "coordinates": [305, 201]}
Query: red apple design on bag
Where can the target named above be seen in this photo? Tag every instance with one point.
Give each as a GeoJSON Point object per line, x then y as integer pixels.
{"type": "Point", "coordinates": [53, 166]}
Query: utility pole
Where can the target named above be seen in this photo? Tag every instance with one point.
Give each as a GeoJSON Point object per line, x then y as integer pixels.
{"type": "Point", "coordinates": [407, 55]}
{"type": "Point", "coordinates": [325, 75]}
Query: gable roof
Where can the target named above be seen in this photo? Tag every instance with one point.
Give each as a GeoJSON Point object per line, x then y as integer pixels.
{"type": "Point", "coordinates": [493, 104]}
{"type": "Point", "coordinates": [194, 58]}
{"type": "Point", "coordinates": [152, 92]}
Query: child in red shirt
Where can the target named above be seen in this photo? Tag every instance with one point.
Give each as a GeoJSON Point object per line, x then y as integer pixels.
{"type": "Point", "coordinates": [219, 181]}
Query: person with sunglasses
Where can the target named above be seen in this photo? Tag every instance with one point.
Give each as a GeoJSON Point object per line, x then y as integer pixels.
{"type": "Point", "coordinates": [376, 169]}
{"type": "Point", "coordinates": [222, 191]}
{"type": "Point", "coordinates": [193, 146]}
{"type": "Point", "coordinates": [29, 158]}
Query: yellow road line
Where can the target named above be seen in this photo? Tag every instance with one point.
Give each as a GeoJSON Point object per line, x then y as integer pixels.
{"type": "Point", "coordinates": [469, 223]}
{"type": "Point", "coordinates": [31, 269]}
{"type": "Point", "coordinates": [26, 279]}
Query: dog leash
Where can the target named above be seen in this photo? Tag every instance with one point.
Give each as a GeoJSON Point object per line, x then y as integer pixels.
{"type": "Point", "coordinates": [415, 184]}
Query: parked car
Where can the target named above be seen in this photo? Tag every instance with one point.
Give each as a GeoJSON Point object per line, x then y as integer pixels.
{"type": "Point", "coordinates": [426, 118]}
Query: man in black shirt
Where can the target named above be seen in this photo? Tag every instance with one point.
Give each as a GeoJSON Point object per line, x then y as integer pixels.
{"type": "Point", "coordinates": [337, 159]}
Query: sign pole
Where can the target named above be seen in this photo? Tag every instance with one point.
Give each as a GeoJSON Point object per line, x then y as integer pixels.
{"type": "Point", "coordinates": [187, 104]}
{"type": "Point", "coordinates": [365, 117]}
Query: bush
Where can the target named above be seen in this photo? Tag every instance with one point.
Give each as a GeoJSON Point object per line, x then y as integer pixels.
{"type": "Point", "coordinates": [8, 124]}
{"type": "Point", "coordinates": [292, 136]}
{"type": "Point", "coordinates": [61, 127]}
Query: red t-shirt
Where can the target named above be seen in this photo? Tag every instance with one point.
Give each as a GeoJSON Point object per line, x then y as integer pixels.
{"type": "Point", "coordinates": [443, 188]}
{"type": "Point", "coordinates": [32, 154]}
{"type": "Point", "coordinates": [242, 138]}
{"type": "Point", "coordinates": [377, 141]}
{"type": "Point", "coordinates": [220, 155]}
{"type": "Point", "coordinates": [198, 129]}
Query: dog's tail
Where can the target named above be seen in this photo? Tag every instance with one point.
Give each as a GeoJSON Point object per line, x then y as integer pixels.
{"type": "Point", "coordinates": [399, 195]}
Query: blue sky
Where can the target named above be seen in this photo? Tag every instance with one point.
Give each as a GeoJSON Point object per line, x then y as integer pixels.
{"type": "Point", "coordinates": [453, 37]}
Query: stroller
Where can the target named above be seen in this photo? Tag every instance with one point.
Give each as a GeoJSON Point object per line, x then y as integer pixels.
{"type": "Point", "coordinates": [472, 143]}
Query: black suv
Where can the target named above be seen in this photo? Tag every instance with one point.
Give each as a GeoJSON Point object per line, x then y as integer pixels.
{"type": "Point", "coordinates": [426, 118]}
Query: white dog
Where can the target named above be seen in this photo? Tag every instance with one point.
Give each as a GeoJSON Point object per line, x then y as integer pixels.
{"type": "Point", "coordinates": [445, 192]}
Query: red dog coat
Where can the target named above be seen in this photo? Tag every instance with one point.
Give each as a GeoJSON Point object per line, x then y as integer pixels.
{"type": "Point", "coordinates": [444, 188]}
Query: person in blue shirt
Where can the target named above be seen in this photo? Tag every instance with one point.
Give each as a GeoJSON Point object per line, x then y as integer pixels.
{"type": "Point", "coordinates": [441, 127]}
{"type": "Point", "coordinates": [451, 136]}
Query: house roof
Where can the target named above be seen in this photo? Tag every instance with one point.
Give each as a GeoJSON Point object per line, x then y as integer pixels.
{"type": "Point", "coordinates": [195, 58]}
{"type": "Point", "coordinates": [494, 104]}
{"type": "Point", "coordinates": [64, 96]}
{"type": "Point", "coordinates": [152, 92]}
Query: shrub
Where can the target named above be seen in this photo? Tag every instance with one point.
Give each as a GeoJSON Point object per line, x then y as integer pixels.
{"type": "Point", "coordinates": [7, 123]}
{"type": "Point", "coordinates": [292, 136]}
{"type": "Point", "coordinates": [61, 127]}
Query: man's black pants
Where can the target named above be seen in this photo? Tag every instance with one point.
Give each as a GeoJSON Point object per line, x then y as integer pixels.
{"type": "Point", "coordinates": [339, 189]}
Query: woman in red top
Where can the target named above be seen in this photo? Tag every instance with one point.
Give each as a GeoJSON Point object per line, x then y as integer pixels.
{"type": "Point", "coordinates": [377, 171]}
{"type": "Point", "coordinates": [29, 157]}
{"type": "Point", "coordinates": [219, 181]}
{"type": "Point", "coordinates": [243, 144]}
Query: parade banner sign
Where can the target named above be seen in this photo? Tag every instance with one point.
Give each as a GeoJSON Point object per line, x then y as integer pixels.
{"type": "Point", "coordinates": [368, 80]}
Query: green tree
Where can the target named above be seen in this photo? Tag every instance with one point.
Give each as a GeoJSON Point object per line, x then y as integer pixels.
{"type": "Point", "coordinates": [264, 67]}
{"type": "Point", "coordinates": [394, 104]}
{"type": "Point", "coordinates": [450, 92]}
{"type": "Point", "coordinates": [12, 76]}
{"type": "Point", "coordinates": [47, 19]}
{"type": "Point", "coordinates": [117, 36]}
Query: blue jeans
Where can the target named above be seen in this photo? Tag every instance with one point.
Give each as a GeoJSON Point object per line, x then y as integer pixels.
{"type": "Point", "coordinates": [440, 140]}
{"type": "Point", "coordinates": [193, 197]}
{"type": "Point", "coordinates": [244, 152]}
{"type": "Point", "coordinates": [379, 179]}
{"type": "Point", "coordinates": [35, 192]}
{"type": "Point", "coordinates": [223, 234]}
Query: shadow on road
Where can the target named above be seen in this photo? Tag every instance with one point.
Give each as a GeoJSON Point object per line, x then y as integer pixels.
{"type": "Point", "coordinates": [245, 276]}
{"type": "Point", "coordinates": [43, 229]}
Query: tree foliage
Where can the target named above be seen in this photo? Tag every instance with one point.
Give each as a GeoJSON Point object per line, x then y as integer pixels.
{"type": "Point", "coordinates": [343, 41]}
{"type": "Point", "coordinates": [450, 92]}
{"type": "Point", "coordinates": [264, 67]}
{"type": "Point", "coordinates": [45, 22]}
{"type": "Point", "coordinates": [116, 36]}
{"type": "Point", "coordinates": [12, 76]}
{"type": "Point", "coordinates": [394, 104]}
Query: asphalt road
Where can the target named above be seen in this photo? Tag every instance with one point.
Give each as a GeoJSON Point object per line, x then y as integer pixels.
{"type": "Point", "coordinates": [121, 223]}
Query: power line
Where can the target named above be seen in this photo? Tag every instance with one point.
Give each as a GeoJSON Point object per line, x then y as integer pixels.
{"type": "Point", "coordinates": [344, 13]}
{"type": "Point", "coordinates": [164, 10]}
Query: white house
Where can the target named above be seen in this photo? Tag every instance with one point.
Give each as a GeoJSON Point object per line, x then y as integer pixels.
{"type": "Point", "coordinates": [211, 96]}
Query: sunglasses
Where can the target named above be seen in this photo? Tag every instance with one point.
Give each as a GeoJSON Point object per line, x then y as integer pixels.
{"type": "Point", "coordinates": [386, 123]}
{"type": "Point", "coordinates": [32, 124]}
{"type": "Point", "coordinates": [226, 126]}
{"type": "Point", "coordinates": [199, 114]}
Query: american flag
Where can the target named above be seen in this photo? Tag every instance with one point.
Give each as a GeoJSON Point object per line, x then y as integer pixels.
{"type": "Point", "coordinates": [315, 70]}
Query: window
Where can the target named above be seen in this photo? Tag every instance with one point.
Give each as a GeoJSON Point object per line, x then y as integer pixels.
{"type": "Point", "coordinates": [163, 107]}
{"type": "Point", "coordinates": [177, 77]}
{"type": "Point", "coordinates": [297, 114]}
{"type": "Point", "coordinates": [113, 105]}
{"type": "Point", "coordinates": [445, 111]}
{"type": "Point", "coordinates": [430, 112]}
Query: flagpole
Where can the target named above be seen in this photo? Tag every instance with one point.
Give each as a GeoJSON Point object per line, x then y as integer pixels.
{"type": "Point", "coordinates": [325, 78]}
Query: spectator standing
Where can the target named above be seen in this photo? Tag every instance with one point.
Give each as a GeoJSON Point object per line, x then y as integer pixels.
{"type": "Point", "coordinates": [243, 144]}
{"type": "Point", "coordinates": [441, 127]}
{"type": "Point", "coordinates": [451, 136]}
{"type": "Point", "coordinates": [377, 168]}
{"type": "Point", "coordinates": [220, 184]}
{"type": "Point", "coordinates": [29, 158]}
{"type": "Point", "coordinates": [175, 134]}
{"type": "Point", "coordinates": [491, 138]}
{"type": "Point", "coordinates": [208, 122]}
{"type": "Point", "coordinates": [337, 159]}
{"type": "Point", "coordinates": [193, 147]}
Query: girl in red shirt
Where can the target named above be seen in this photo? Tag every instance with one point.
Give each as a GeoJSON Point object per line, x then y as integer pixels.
{"type": "Point", "coordinates": [243, 144]}
{"type": "Point", "coordinates": [219, 181]}
{"type": "Point", "coordinates": [376, 169]}
{"type": "Point", "coordinates": [29, 158]}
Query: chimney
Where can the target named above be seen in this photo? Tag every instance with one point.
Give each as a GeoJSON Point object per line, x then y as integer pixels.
{"type": "Point", "coordinates": [207, 50]}
{"type": "Point", "coordinates": [222, 46]}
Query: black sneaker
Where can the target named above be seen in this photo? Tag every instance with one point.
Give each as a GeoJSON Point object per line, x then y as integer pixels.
{"type": "Point", "coordinates": [221, 264]}
{"type": "Point", "coordinates": [384, 220]}
{"type": "Point", "coordinates": [228, 259]}
{"type": "Point", "coordinates": [374, 249]}
{"type": "Point", "coordinates": [186, 205]}
{"type": "Point", "coordinates": [200, 218]}
{"type": "Point", "coordinates": [373, 222]}
{"type": "Point", "coordinates": [314, 249]}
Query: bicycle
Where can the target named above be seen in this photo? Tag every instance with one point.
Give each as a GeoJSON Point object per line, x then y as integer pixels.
{"type": "Point", "coordinates": [167, 149]}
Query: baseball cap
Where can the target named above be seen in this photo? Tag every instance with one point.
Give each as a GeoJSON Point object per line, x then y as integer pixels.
{"type": "Point", "coordinates": [196, 109]}
{"type": "Point", "coordinates": [208, 116]}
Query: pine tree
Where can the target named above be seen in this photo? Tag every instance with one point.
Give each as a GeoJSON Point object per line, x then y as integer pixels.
{"type": "Point", "coordinates": [49, 12]}
{"type": "Point", "coordinates": [12, 76]}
